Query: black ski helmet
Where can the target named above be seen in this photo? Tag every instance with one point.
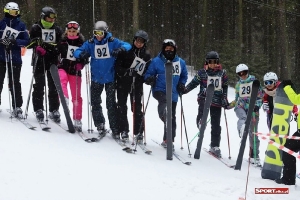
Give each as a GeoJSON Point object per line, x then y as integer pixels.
{"type": "Point", "coordinates": [141, 34]}
{"type": "Point", "coordinates": [212, 55]}
{"type": "Point", "coordinates": [48, 12]}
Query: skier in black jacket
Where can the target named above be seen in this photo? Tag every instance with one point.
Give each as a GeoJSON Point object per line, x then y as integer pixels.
{"type": "Point", "coordinates": [45, 35]}
{"type": "Point", "coordinates": [130, 67]}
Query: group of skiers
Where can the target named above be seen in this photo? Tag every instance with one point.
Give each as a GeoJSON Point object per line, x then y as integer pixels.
{"type": "Point", "coordinates": [122, 68]}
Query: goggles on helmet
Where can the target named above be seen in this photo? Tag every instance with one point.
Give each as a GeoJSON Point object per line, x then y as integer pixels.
{"type": "Point", "coordinates": [99, 32]}
{"type": "Point", "coordinates": [212, 61]}
{"type": "Point", "coordinates": [52, 15]}
{"type": "Point", "coordinates": [73, 25]}
{"type": "Point", "coordinates": [269, 82]}
{"type": "Point", "coordinates": [12, 12]}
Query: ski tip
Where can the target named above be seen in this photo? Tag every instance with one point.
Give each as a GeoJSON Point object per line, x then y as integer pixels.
{"type": "Point", "coordinates": [188, 163]}
{"type": "Point", "coordinates": [256, 82]}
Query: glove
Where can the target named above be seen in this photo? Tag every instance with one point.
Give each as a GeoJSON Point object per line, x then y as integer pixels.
{"type": "Point", "coordinates": [150, 80]}
{"type": "Point", "coordinates": [84, 55]}
{"type": "Point", "coordinates": [79, 66]}
{"type": "Point", "coordinates": [37, 40]}
{"type": "Point", "coordinates": [225, 103]}
{"type": "Point", "coordinates": [256, 109]}
{"type": "Point", "coordinates": [40, 51]}
{"type": "Point", "coordinates": [296, 116]}
{"type": "Point", "coordinates": [116, 52]}
{"type": "Point", "coordinates": [131, 72]}
{"type": "Point", "coordinates": [181, 89]}
{"type": "Point", "coordinates": [8, 42]}
{"type": "Point", "coordinates": [266, 106]}
{"type": "Point", "coordinates": [286, 82]}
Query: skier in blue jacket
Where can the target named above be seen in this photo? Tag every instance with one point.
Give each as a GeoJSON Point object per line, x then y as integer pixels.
{"type": "Point", "coordinates": [155, 76]}
{"type": "Point", "coordinates": [13, 36]}
{"type": "Point", "coordinates": [102, 48]}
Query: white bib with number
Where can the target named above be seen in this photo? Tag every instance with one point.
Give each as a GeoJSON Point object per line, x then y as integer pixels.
{"type": "Point", "coordinates": [139, 65]}
{"type": "Point", "coordinates": [48, 35]}
{"type": "Point", "coordinates": [102, 51]}
{"type": "Point", "coordinates": [245, 89]}
{"type": "Point", "coordinates": [10, 33]}
{"type": "Point", "coordinates": [216, 81]}
{"type": "Point", "coordinates": [70, 53]}
{"type": "Point", "coordinates": [176, 68]}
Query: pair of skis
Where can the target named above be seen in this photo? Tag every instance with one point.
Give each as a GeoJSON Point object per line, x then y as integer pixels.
{"type": "Point", "coordinates": [22, 120]}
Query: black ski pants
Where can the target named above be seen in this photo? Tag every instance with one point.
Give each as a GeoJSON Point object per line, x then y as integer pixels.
{"type": "Point", "coordinates": [161, 108]}
{"type": "Point", "coordinates": [111, 105]}
{"type": "Point", "coordinates": [289, 161]}
{"type": "Point", "coordinates": [215, 120]}
{"type": "Point", "coordinates": [136, 93]}
{"type": "Point", "coordinates": [16, 83]}
{"type": "Point", "coordinates": [38, 90]}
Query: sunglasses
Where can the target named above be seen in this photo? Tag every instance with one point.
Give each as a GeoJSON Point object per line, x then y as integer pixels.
{"type": "Point", "coordinates": [242, 73]}
{"type": "Point", "coordinates": [269, 82]}
{"type": "Point", "coordinates": [52, 15]}
{"type": "Point", "coordinates": [13, 12]}
{"type": "Point", "coordinates": [213, 61]}
{"type": "Point", "coordinates": [73, 25]}
{"type": "Point", "coordinates": [99, 32]}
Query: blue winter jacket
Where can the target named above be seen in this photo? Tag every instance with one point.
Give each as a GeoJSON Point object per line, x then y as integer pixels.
{"type": "Point", "coordinates": [102, 69]}
{"type": "Point", "coordinates": [157, 68]}
{"type": "Point", "coordinates": [21, 40]}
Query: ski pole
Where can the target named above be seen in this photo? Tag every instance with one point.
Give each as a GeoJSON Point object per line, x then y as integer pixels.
{"type": "Point", "coordinates": [35, 59]}
{"type": "Point", "coordinates": [186, 136]}
{"type": "Point", "coordinates": [88, 99]}
{"type": "Point", "coordinates": [46, 94]}
{"type": "Point", "coordinates": [143, 121]}
{"type": "Point", "coordinates": [6, 65]}
{"type": "Point", "coordinates": [254, 136]}
{"type": "Point", "coordinates": [227, 133]}
{"type": "Point", "coordinates": [181, 124]}
{"type": "Point", "coordinates": [197, 134]}
{"type": "Point", "coordinates": [12, 80]}
{"type": "Point", "coordinates": [133, 109]}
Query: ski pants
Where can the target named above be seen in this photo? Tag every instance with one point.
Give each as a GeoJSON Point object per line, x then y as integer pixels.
{"type": "Point", "coordinates": [136, 106]}
{"type": "Point", "coordinates": [38, 92]}
{"type": "Point", "coordinates": [16, 83]}
{"type": "Point", "coordinates": [111, 105]}
{"type": "Point", "coordinates": [289, 161]}
{"type": "Point", "coordinates": [215, 120]}
{"type": "Point", "coordinates": [75, 88]}
{"type": "Point", "coordinates": [162, 107]}
{"type": "Point", "coordinates": [242, 115]}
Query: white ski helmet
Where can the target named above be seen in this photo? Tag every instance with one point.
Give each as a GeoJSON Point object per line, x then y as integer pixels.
{"type": "Point", "coordinates": [11, 6]}
{"type": "Point", "coordinates": [241, 67]}
{"type": "Point", "coordinates": [101, 25]}
{"type": "Point", "coordinates": [270, 76]}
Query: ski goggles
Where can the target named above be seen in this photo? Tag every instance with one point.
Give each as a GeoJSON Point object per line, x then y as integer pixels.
{"type": "Point", "coordinates": [12, 12]}
{"type": "Point", "coordinates": [140, 40]}
{"type": "Point", "coordinates": [99, 32]}
{"type": "Point", "coordinates": [242, 73]}
{"type": "Point", "coordinates": [212, 61]}
{"type": "Point", "coordinates": [52, 15]}
{"type": "Point", "coordinates": [73, 25]}
{"type": "Point", "coordinates": [269, 82]}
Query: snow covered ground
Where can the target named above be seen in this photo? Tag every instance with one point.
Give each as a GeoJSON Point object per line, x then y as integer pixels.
{"type": "Point", "coordinates": [57, 165]}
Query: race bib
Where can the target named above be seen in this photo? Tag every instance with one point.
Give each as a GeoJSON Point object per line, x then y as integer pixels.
{"type": "Point", "coordinates": [10, 33]}
{"type": "Point", "coordinates": [48, 35]}
{"type": "Point", "coordinates": [245, 89]}
{"type": "Point", "coordinates": [176, 68]}
{"type": "Point", "coordinates": [70, 52]}
{"type": "Point", "coordinates": [102, 51]}
{"type": "Point", "coordinates": [216, 81]}
{"type": "Point", "coordinates": [139, 65]}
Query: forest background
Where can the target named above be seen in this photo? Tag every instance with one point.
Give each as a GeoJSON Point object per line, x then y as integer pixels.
{"type": "Point", "coordinates": [264, 34]}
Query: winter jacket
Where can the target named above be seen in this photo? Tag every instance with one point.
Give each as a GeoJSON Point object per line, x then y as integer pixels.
{"type": "Point", "coordinates": [157, 69]}
{"type": "Point", "coordinates": [126, 59]}
{"type": "Point", "coordinates": [102, 61]}
{"type": "Point", "coordinates": [68, 46]}
{"type": "Point", "coordinates": [21, 40]}
{"type": "Point", "coordinates": [293, 97]}
{"type": "Point", "coordinates": [269, 97]}
{"type": "Point", "coordinates": [243, 93]}
{"type": "Point", "coordinates": [217, 76]}
{"type": "Point", "coordinates": [50, 46]}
